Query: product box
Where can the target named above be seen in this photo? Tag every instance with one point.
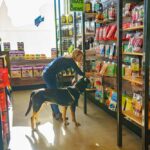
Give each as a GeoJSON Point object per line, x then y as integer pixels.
{"type": "Point", "coordinates": [16, 55]}
{"type": "Point", "coordinates": [42, 56]}
{"type": "Point", "coordinates": [6, 46]}
{"type": "Point", "coordinates": [37, 71]}
{"type": "Point", "coordinates": [20, 46]}
{"type": "Point", "coordinates": [27, 71]}
{"type": "Point", "coordinates": [15, 72]}
{"type": "Point", "coordinates": [53, 53]}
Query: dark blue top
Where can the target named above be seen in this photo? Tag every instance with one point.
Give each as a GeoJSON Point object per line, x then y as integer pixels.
{"type": "Point", "coordinates": [60, 64]}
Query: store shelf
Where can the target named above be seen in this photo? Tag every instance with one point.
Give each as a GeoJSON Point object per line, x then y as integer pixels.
{"type": "Point", "coordinates": [67, 37]}
{"type": "Point", "coordinates": [134, 28]}
{"type": "Point", "coordinates": [105, 21]}
{"type": "Point", "coordinates": [129, 114]}
{"type": "Point", "coordinates": [90, 89]}
{"type": "Point", "coordinates": [65, 24]}
{"type": "Point", "coordinates": [136, 80]}
{"type": "Point", "coordinates": [27, 81]}
{"type": "Point", "coordinates": [133, 54]}
{"type": "Point", "coordinates": [26, 62]}
{"type": "Point", "coordinates": [137, 119]}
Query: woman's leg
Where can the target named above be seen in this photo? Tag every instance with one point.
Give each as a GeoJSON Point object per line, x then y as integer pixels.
{"type": "Point", "coordinates": [51, 83]}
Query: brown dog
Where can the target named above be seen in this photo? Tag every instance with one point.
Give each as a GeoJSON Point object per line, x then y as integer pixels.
{"type": "Point", "coordinates": [63, 96]}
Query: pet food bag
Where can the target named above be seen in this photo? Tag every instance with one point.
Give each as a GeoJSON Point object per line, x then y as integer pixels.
{"type": "Point", "coordinates": [37, 71]}
{"type": "Point", "coordinates": [27, 71]}
{"type": "Point", "coordinates": [15, 72]}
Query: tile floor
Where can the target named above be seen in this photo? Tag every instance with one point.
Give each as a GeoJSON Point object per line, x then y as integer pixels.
{"type": "Point", "coordinates": [98, 130]}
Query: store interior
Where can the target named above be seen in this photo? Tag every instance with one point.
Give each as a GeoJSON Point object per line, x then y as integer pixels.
{"type": "Point", "coordinates": [113, 35]}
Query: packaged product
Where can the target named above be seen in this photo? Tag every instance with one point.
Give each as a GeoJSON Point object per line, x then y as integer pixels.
{"type": "Point", "coordinates": [6, 46]}
{"type": "Point", "coordinates": [137, 104]}
{"type": "Point", "coordinates": [53, 52]}
{"type": "Point", "coordinates": [135, 66]}
{"type": "Point", "coordinates": [88, 6]}
{"type": "Point", "coordinates": [63, 19]}
{"type": "Point", "coordinates": [15, 72]}
{"type": "Point", "coordinates": [112, 12]}
{"type": "Point", "coordinates": [37, 70]}
{"type": "Point", "coordinates": [112, 51]}
{"type": "Point", "coordinates": [111, 69]}
{"type": "Point", "coordinates": [98, 66]}
{"type": "Point", "coordinates": [113, 101]}
{"type": "Point", "coordinates": [112, 31]}
{"type": "Point", "coordinates": [99, 95]}
{"type": "Point", "coordinates": [100, 33]}
{"type": "Point", "coordinates": [105, 15]}
{"type": "Point", "coordinates": [70, 18]}
{"type": "Point", "coordinates": [27, 71]}
{"type": "Point", "coordinates": [128, 71]}
{"type": "Point", "coordinates": [102, 50]}
{"type": "Point", "coordinates": [97, 34]}
{"type": "Point", "coordinates": [20, 46]}
{"type": "Point", "coordinates": [107, 50]}
{"type": "Point", "coordinates": [103, 68]}
{"type": "Point", "coordinates": [98, 83]}
{"type": "Point", "coordinates": [128, 104]}
{"type": "Point", "coordinates": [98, 7]}
{"type": "Point", "coordinates": [106, 30]}
{"type": "Point", "coordinates": [16, 55]}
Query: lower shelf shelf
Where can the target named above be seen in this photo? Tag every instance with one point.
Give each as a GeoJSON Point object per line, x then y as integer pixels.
{"type": "Point", "coordinates": [26, 81]}
{"type": "Point", "coordinates": [134, 118]}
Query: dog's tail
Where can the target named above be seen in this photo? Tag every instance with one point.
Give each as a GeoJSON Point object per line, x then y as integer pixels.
{"type": "Point", "coordinates": [30, 104]}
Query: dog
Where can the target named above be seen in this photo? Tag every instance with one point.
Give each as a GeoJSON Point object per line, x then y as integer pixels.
{"type": "Point", "coordinates": [62, 96]}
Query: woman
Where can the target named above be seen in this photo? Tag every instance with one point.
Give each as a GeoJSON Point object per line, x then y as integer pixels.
{"type": "Point", "coordinates": [55, 67]}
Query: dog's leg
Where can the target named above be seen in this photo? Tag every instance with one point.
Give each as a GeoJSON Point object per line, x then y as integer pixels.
{"type": "Point", "coordinates": [37, 119]}
{"type": "Point", "coordinates": [33, 123]}
{"type": "Point", "coordinates": [64, 116]}
{"type": "Point", "coordinates": [72, 109]}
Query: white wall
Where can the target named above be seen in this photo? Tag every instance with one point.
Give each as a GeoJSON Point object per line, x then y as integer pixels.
{"type": "Point", "coordinates": [17, 24]}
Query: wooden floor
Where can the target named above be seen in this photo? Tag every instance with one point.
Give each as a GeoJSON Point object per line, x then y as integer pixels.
{"type": "Point", "coordinates": [98, 130]}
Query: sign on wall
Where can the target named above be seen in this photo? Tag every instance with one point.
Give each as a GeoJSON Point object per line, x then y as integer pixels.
{"type": "Point", "coordinates": [76, 5]}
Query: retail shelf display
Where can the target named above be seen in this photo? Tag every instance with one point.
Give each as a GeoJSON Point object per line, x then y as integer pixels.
{"type": "Point", "coordinates": [116, 59]}
{"type": "Point", "coordinates": [4, 105]}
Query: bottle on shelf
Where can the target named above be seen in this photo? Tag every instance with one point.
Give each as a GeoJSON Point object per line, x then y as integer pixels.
{"type": "Point", "coordinates": [70, 18]}
{"type": "Point", "coordinates": [63, 19]}
{"type": "Point", "coordinates": [112, 12]}
{"type": "Point", "coordinates": [88, 6]}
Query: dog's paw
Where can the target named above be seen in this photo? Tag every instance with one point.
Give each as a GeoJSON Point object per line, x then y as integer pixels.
{"type": "Point", "coordinates": [34, 130]}
{"type": "Point", "coordinates": [38, 123]}
{"type": "Point", "coordinates": [77, 124]}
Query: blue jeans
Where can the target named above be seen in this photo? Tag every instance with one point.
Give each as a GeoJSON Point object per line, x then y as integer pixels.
{"type": "Point", "coordinates": [51, 83]}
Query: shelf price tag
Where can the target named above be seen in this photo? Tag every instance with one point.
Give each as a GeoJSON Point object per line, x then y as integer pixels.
{"type": "Point", "coordinates": [76, 5]}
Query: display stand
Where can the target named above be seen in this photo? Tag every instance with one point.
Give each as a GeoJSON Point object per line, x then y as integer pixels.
{"type": "Point", "coordinates": [4, 108]}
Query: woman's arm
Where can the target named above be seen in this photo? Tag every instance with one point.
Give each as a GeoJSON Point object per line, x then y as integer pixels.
{"type": "Point", "coordinates": [75, 67]}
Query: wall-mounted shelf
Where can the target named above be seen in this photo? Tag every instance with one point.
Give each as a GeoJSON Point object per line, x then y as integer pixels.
{"type": "Point", "coordinates": [134, 28]}
{"type": "Point", "coordinates": [133, 54]}
{"type": "Point", "coordinates": [138, 81]}
{"type": "Point", "coordinates": [137, 119]}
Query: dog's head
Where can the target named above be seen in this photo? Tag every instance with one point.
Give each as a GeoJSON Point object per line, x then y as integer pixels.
{"type": "Point", "coordinates": [82, 84]}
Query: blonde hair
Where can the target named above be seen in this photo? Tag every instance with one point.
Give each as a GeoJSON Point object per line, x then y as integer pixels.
{"type": "Point", "coordinates": [76, 53]}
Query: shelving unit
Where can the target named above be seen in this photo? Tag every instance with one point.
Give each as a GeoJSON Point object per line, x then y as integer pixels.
{"type": "Point", "coordinates": [141, 119]}
{"type": "Point", "coordinates": [120, 83]}
{"type": "Point", "coordinates": [4, 108]}
{"type": "Point", "coordinates": [19, 83]}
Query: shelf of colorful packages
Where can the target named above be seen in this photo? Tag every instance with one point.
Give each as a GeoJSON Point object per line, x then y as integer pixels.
{"type": "Point", "coordinates": [5, 124]}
